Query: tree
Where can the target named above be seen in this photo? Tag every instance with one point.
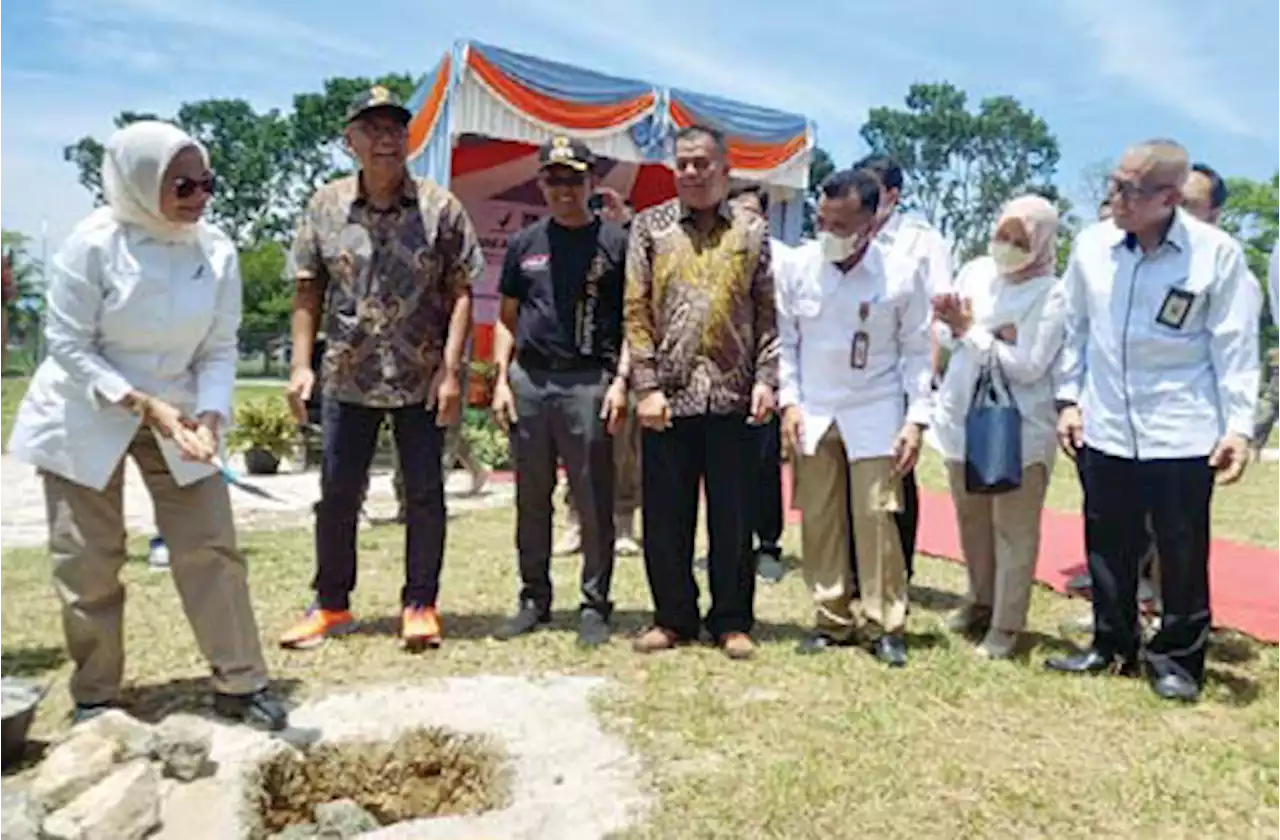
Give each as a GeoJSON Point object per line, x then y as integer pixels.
{"type": "Point", "coordinates": [1252, 215]}
{"type": "Point", "coordinates": [820, 168]}
{"type": "Point", "coordinates": [267, 298]}
{"type": "Point", "coordinates": [960, 167]}
{"type": "Point", "coordinates": [1093, 182]}
{"type": "Point", "coordinates": [26, 307]}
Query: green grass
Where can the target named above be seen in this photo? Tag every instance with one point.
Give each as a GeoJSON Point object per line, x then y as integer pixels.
{"type": "Point", "coordinates": [783, 746]}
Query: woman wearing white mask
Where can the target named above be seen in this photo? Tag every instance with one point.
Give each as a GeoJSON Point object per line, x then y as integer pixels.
{"type": "Point", "coordinates": [143, 308]}
{"type": "Point", "coordinates": [1006, 308]}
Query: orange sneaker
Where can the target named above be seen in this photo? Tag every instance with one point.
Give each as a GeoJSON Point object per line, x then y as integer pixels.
{"type": "Point", "coordinates": [316, 626]}
{"type": "Point", "coordinates": [420, 628]}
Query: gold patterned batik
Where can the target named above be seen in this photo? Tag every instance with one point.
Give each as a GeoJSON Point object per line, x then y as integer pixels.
{"type": "Point", "coordinates": [391, 277]}
{"type": "Point", "coordinates": [700, 317]}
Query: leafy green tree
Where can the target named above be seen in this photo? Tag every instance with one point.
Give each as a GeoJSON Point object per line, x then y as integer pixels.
{"type": "Point", "coordinates": [961, 166]}
{"type": "Point", "coordinates": [820, 168]}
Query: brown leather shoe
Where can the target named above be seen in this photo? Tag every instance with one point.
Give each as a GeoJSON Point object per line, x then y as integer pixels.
{"type": "Point", "coordinates": [737, 646]}
{"type": "Point", "coordinates": [655, 639]}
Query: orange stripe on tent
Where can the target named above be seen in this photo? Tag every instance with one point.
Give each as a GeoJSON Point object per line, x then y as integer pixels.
{"type": "Point", "coordinates": [545, 109]}
{"type": "Point", "coordinates": [423, 122]}
{"type": "Point", "coordinates": [744, 154]}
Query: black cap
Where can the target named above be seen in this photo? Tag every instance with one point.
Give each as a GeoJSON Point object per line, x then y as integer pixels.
{"type": "Point", "coordinates": [378, 98]}
{"type": "Point", "coordinates": [565, 151]}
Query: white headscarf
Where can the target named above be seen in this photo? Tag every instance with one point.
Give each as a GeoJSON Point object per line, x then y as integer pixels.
{"type": "Point", "coordinates": [133, 168]}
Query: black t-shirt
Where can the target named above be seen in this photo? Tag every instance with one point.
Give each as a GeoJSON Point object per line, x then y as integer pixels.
{"type": "Point", "coordinates": [569, 282]}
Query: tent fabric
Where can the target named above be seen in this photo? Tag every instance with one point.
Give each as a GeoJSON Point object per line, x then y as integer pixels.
{"type": "Point", "coordinates": [512, 96]}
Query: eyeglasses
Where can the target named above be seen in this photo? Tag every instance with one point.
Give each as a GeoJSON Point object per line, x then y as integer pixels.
{"type": "Point", "coordinates": [184, 187]}
{"type": "Point", "coordinates": [1130, 191]}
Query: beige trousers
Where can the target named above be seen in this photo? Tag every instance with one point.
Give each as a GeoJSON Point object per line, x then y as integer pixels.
{"type": "Point", "coordinates": [87, 544]}
{"type": "Point", "coordinates": [834, 495]}
{"type": "Point", "coordinates": [1000, 539]}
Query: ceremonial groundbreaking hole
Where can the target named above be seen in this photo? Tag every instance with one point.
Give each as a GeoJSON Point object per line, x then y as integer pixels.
{"type": "Point", "coordinates": [425, 772]}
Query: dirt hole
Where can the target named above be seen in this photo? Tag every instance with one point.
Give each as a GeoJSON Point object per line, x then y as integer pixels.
{"type": "Point", "coordinates": [426, 772]}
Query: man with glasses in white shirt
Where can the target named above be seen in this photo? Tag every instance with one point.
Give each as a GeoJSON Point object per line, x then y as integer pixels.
{"type": "Point", "coordinates": [1158, 385]}
{"type": "Point", "coordinates": [853, 324]}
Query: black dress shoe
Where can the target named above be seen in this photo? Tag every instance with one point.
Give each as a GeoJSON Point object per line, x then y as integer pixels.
{"type": "Point", "coordinates": [1091, 662]}
{"type": "Point", "coordinates": [526, 620]}
{"type": "Point", "coordinates": [1175, 687]}
{"type": "Point", "coordinates": [593, 629]}
{"type": "Point", "coordinates": [258, 709]}
{"type": "Point", "coordinates": [769, 566]}
{"type": "Point", "coordinates": [819, 643]}
{"type": "Point", "coordinates": [891, 649]}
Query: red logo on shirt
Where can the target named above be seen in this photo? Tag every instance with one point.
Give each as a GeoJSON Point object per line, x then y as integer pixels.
{"type": "Point", "coordinates": [535, 262]}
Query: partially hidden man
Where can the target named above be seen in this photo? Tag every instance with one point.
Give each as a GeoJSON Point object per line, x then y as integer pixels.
{"type": "Point", "coordinates": [386, 260]}
{"type": "Point", "coordinates": [702, 333]}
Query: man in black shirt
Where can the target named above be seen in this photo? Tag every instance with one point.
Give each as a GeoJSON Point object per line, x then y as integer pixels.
{"type": "Point", "coordinates": [561, 324]}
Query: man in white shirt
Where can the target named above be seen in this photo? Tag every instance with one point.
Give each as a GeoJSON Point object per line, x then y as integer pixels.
{"type": "Point", "coordinates": [911, 238]}
{"type": "Point", "coordinates": [853, 321]}
{"type": "Point", "coordinates": [1158, 384]}
{"type": "Point", "coordinates": [1269, 399]}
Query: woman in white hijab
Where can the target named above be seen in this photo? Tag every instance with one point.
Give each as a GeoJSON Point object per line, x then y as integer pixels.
{"type": "Point", "coordinates": [143, 308]}
{"type": "Point", "coordinates": [1007, 307]}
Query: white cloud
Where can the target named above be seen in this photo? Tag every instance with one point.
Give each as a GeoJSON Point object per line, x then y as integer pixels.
{"type": "Point", "coordinates": [1153, 49]}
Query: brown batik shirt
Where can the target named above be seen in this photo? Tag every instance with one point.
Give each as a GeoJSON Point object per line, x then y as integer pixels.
{"type": "Point", "coordinates": [390, 279]}
{"type": "Point", "coordinates": [700, 316]}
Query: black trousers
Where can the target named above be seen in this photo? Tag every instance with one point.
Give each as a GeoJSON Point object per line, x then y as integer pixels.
{"type": "Point", "coordinates": [1119, 494]}
{"type": "Point", "coordinates": [350, 439]}
{"type": "Point", "coordinates": [908, 522]}
{"type": "Point", "coordinates": [559, 420]}
{"type": "Point", "coordinates": [766, 489]}
{"type": "Point", "coordinates": [717, 450]}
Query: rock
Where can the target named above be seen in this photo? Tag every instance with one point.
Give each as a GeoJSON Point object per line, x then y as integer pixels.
{"type": "Point", "coordinates": [19, 817]}
{"type": "Point", "coordinates": [134, 738]}
{"type": "Point", "coordinates": [343, 818]}
{"type": "Point", "coordinates": [182, 745]}
{"type": "Point", "coordinates": [301, 831]}
{"type": "Point", "coordinates": [72, 767]}
{"type": "Point", "coordinates": [123, 806]}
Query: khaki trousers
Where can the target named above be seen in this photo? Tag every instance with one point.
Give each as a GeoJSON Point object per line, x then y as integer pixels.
{"type": "Point", "coordinates": [834, 495]}
{"type": "Point", "coordinates": [87, 544]}
{"type": "Point", "coordinates": [1000, 539]}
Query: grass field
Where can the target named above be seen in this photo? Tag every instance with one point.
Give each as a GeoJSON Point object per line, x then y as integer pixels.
{"type": "Point", "coordinates": [784, 746]}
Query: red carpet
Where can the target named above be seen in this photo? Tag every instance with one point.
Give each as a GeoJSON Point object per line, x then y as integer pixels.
{"type": "Point", "coordinates": [1244, 580]}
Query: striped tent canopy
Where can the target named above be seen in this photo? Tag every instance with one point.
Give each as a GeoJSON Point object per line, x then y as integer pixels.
{"type": "Point", "coordinates": [483, 107]}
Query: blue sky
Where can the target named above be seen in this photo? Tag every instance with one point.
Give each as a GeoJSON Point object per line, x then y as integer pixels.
{"type": "Point", "coordinates": [1102, 72]}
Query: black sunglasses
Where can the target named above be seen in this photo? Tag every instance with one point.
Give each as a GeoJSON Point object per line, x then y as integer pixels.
{"type": "Point", "coordinates": [185, 187]}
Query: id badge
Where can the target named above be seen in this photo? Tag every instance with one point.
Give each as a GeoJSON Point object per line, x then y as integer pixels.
{"type": "Point", "coordinates": [858, 353]}
{"type": "Point", "coordinates": [1175, 308]}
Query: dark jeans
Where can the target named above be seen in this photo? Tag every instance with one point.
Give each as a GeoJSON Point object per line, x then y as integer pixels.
{"type": "Point", "coordinates": [717, 450]}
{"type": "Point", "coordinates": [350, 438]}
{"type": "Point", "coordinates": [1120, 494]}
{"type": "Point", "coordinates": [907, 520]}
{"type": "Point", "coordinates": [766, 491]}
{"type": "Point", "coordinates": [559, 420]}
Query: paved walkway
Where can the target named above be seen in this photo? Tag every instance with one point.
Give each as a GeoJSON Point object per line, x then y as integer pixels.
{"type": "Point", "coordinates": [22, 516]}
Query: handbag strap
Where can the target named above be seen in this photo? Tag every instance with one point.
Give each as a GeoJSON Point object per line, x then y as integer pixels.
{"type": "Point", "coordinates": [993, 383]}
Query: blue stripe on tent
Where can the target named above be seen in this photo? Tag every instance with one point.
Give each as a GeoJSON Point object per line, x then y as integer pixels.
{"type": "Point", "coordinates": [749, 122]}
{"type": "Point", "coordinates": [563, 81]}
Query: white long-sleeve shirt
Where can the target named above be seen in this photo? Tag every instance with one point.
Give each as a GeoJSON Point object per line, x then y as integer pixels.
{"type": "Point", "coordinates": [912, 238]}
{"type": "Point", "coordinates": [1162, 347]}
{"type": "Point", "coordinates": [820, 308]}
{"type": "Point", "coordinates": [126, 311]}
{"type": "Point", "coordinates": [1273, 283]}
{"type": "Point", "coordinates": [1036, 308]}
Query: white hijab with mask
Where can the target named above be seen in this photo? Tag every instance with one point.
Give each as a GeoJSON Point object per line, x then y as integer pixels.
{"type": "Point", "coordinates": [133, 168]}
